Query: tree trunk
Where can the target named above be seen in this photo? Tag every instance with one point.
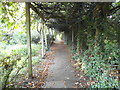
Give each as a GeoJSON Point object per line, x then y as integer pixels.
{"type": "Point", "coordinates": [28, 39]}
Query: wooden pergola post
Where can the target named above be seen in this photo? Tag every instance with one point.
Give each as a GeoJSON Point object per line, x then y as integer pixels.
{"type": "Point", "coordinates": [28, 39]}
{"type": "Point", "coordinates": [72, 39]}
{"type": "Point", "coordinates": [42, 37]}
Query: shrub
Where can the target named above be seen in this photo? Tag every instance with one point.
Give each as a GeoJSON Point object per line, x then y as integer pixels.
{"type": "Point", "coordinates": [13, 62]}
{"type": "Point", "coordinates": [101, 66]}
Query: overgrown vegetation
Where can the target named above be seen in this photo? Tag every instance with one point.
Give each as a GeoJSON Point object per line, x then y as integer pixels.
{"type": "Point", "coordinates": [92, 29]}
{"type": "Point", "coordinates": [13, 43]}
{"type": "Point", "coordinates": [101, 67]}
{"type": "Point", "coordinates": [98, 52]}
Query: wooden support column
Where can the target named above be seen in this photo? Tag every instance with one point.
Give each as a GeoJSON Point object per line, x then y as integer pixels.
{"type": "Point", "coordinates": [65, 38]}
{"type": "Point", "coordinates": [96, 36]}
{"type": "Point", "coordinates": [45, 37]}
{"type": "Point", "coordinates": [28, 39]}
{"type": "Point", "coordinates": [72, 39]}
{"type": "Point", "coordinates": [78, 39]}
{"type": "Point", "coordinates": [42, 37]}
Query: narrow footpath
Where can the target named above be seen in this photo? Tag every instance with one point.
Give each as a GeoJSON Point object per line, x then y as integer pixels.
{"type": "Point", "coordinates": [61, 73]}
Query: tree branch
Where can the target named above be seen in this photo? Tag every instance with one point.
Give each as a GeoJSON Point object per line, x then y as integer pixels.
{"type": "Point", "coordinates": [113, 10]}
{"type": "Point", "coordinates": [38, 12]}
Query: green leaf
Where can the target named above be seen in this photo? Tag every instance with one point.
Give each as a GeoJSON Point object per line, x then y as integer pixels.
{"type": "Point", "coordinates": [16, 26]}
{"type": "Point", "coordinates": [3, 41]}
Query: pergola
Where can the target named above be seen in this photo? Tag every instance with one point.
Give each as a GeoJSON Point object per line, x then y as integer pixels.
{"type": "Point", "coordinates": [58, 26]}
{"type": "Point", "coordinates": [69, 25]}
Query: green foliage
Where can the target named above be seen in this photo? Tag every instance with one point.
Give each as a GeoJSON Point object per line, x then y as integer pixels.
{"type": "Point", "coordinates": [99, 65]}
{"type": "Point", "coordinates": [19, 37]}
{"type": "Point", "coordinates": [87, 18]}
{"type": "Point", "coordinates": [14, 62]}
{"type": "Point", "coordinates": [6, 66]}
{"type": "Point", "coordinates": [36, 49]}
{"type": "Point", "coordinates": [35, 37]}
{"type": "Point", "coordinates": [10, 14]}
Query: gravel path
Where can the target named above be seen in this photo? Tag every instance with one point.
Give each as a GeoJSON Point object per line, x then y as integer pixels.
{"type": "Point", "coordinates": [61, 73]}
